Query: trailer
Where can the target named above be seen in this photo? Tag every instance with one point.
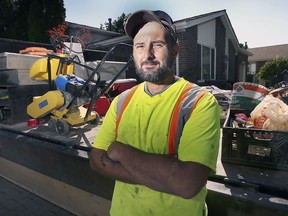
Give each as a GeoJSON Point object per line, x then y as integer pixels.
{"type": "Point", "coordinates": [56, 166]}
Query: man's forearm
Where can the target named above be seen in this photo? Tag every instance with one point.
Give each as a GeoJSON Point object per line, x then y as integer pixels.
{"type": "Point", "coordinates": [101, 163]}
{"type": "Point", "coordinates": [160, 172]}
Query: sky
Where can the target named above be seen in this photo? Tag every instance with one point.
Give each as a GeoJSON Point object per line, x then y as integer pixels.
{"type": "Point", "coordinates": [258, 22]}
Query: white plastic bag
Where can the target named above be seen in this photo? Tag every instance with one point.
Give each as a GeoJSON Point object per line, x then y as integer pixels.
{"type": "Point", "coordinates": [270, 114]}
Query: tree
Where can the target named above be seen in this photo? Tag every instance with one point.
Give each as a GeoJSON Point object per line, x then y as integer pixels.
{"type": "Point", "coordinates": [272, 68]}
{"type": "Point", "coordinates": [7, 17]}
{"type": "Point", "coordinates": [36, 26]}
{"type": "Point", "coordinates": [43, 16]}
{"type": "Point", "coordinates": [21, 21]}
{"type": "Point", "coordinates": [30, 19]}
{"type": "Point", "coordinates": [117, 25]}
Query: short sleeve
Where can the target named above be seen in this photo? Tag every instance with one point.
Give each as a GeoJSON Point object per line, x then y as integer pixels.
{"type": "Point", "coordinates": [200, 138]}
{"type": "Point", "coordinates": [107, 132]}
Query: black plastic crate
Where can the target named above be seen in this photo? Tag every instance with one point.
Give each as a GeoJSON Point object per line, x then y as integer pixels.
{"type": "Point", "coordinates": [254, 147]}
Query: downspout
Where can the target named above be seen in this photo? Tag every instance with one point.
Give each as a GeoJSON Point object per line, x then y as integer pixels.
{"type": "Point", "coordinates": [177, 65]}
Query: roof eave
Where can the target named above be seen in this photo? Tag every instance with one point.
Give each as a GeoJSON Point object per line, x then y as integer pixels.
{"type": "Point", "coordinates": [186, 23]}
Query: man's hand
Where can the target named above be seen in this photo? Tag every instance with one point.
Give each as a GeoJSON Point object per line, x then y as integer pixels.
{"type": "Point", "coordinates": [115, 150]}
{"type": "Point", "coordinates": [100, 162]}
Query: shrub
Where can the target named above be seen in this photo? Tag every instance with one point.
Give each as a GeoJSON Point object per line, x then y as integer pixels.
{"type": "Point", "coordinates": [272, 68]}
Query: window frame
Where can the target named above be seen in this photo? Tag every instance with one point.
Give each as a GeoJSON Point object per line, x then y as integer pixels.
{"type": "Point", "coordinates": [212, 62]}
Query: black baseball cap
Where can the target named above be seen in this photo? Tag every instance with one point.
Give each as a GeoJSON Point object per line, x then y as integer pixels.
{"type": "Point", "coordinates": [139, 18]}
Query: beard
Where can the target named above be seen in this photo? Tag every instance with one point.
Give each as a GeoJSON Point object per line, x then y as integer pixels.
{"type": "Point", "coordinates": [160, 75]}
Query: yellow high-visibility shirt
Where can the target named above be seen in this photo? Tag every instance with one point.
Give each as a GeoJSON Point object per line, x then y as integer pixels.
{"type": "Point", "coordinates": [145, 125]}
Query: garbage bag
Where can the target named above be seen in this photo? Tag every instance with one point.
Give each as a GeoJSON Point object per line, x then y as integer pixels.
{"type": "Point", "coordinates": [270, 114]}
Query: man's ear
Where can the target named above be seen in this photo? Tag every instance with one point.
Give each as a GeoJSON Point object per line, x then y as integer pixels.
{"type": "Point", "coordinates": [176, 50]}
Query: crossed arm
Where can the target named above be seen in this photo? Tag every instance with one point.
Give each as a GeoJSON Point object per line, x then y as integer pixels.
{"type": "Point", "coordinates": [159, 172]}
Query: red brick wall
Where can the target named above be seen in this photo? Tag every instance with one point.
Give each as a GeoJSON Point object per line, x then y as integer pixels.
{"type": "Point", "coordinates": [189, 55]}
{"type": "Point", "coordinates": [220, 50]}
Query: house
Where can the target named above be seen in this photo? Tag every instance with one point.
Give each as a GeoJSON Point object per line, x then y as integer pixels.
{"type": "Point", "coordinates": [210, 52]}
{"type": "Point", "coordinates": [263, 54]}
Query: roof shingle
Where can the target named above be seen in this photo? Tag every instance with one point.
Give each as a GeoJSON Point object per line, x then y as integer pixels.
{"type": "Point", "coordinates": [268, 52]}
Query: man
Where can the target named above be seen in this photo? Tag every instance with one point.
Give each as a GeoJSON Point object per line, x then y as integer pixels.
{"type": "Point", "coordinates": [160, 167]}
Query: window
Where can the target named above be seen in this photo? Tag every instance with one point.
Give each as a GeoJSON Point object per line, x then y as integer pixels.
{"type": "Point", "coordinates": [252, 68]}
{"type": "Point", "coordinates": [207, 63]}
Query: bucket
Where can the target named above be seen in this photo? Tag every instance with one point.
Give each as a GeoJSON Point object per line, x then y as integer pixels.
{"type": "Point", "coordinates": [122, 85]}
{"type": "Point", "coordinates": [247, 95]}
{"type": "Point", "coordinates": [101, 106]}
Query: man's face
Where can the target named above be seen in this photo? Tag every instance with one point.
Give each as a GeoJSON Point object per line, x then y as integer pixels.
{"type": "Point", "coordinates": [153, 59]}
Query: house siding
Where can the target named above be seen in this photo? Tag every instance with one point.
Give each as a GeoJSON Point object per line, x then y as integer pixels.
{"type": "Point", "coordinates": [259, 64]}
